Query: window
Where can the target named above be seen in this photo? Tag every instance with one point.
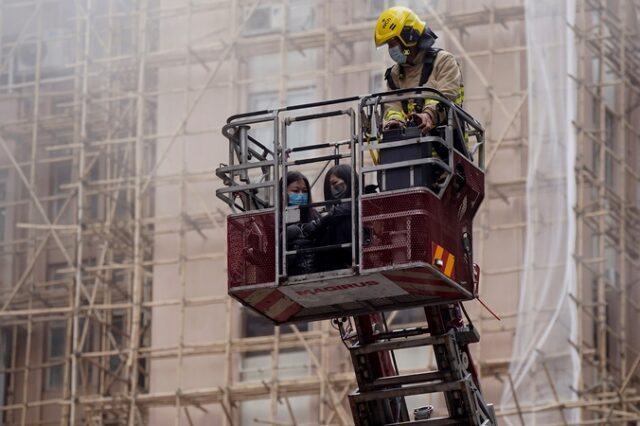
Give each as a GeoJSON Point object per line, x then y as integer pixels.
{"type": "Point", "coordinates": [56, 341]}
{"type": "Point", "coordinates": [60, 174]}
{"type": "Point", "coordinates": [62, 105]}
{"type": "Point", "coordinates": [123, 207]}
{"type": "Point", "coordinates": [57, 49]}
{"type": "Point", "coordinates": [125, 26]}
{"type": "Point", "coordinates": [304, 60]}
{"type": "Point", "coordinates": [5, 362]}
{"type": "Point", "coordinates": [420, 7]}
{"type": "Point", "coordinates": [263, 133]}
{"type": "Point", "coordinates": [595, 144]}
{"type": "Point", "coordinates": [610, 144]}
{"type": "Point", "coordinates": [301, 15]}
{"type": "Point", "coordinates": [3, 221]}
{"type": "Point", "coordinates": [375, 83]}
{"type": "Point", "coordinates": [298, 133]}
{"type": "Point", "coordinates": [54, 271]}
{"type": "Point", "coordinates": [56, 350]}
{"type": "Point", "coordinates": [55, 278]}
{"type": "Point", "coordinates": [609, 90]}
{"type": "Point", "coordinates": [119, 274]}
{"type": "Point", "coordinates": [93, 212]}
{"type": "Point", "coordinates": [612, 275]}
{"type": "Point", "coordinates": [595, 244]}
{"type": "Point", "coordinates": [270, 66]}
{"type": "Point", "coordinates": [117, 330]}
{"type": "Point", "coordinates": [407, 316]}
{"type": "Point", "coordinates": [255, 325]}
{"type": "Point", "coordinates": [595, 312]}
{"type": "Point", "coordinates": [264, 20]}
{"type": "Point", "coordinates": [119, 169]}
{"type": "Point", "coordinates": [374, 8]}
{"type": "Point", "coordinates": [84, 367]}
{"type": "Point", "coordinates": [263, 65]}
{"type": "Point", "coordinates": [4, 178]}
{"type": "Point", "coordinates": [269, 19]}
{"type": "Point", "coordinates": [595, 70]}
{"type": "Point", "coordinates": [256, 366]}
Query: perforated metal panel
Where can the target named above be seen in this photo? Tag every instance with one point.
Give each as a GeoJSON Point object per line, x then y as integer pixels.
{"type": "Point", "coordinates": [251, 256]}
{"type": "Point", "coordinates": [395, 230]}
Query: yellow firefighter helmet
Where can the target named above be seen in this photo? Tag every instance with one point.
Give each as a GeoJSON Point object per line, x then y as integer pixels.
{"type": "Point", "coordinates": [400, 22]}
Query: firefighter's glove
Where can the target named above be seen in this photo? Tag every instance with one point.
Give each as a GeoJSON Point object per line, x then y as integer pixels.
{"type": "Point", "coordinates": [394, 124]}
{"type": "Point", "coordinates": [424, 121]}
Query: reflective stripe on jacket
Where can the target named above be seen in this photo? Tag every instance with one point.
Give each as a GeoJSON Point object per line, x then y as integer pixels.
{"type": "Point", "coordinates": [446, 77]}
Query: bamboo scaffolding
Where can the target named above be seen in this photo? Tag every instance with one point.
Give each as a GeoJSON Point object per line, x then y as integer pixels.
{"type": "Point", "coordinates": [103, 287]}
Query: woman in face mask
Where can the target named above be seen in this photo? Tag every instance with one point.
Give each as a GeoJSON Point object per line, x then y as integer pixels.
{"type": "Point", "coordinates": [335, 227]}
{"type": "Point", "coordinates": [299, 194]}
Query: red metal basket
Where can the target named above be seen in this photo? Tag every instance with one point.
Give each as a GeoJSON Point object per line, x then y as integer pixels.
{"type": "Point", "coordinates": [251, 256]}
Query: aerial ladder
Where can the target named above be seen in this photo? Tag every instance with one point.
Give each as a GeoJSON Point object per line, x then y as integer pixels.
{"type": "Point", "coordinates": [411, 243]}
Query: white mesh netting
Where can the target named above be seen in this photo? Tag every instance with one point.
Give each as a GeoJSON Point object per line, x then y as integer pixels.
{"type": "Point", "coordinates": [544, 364]}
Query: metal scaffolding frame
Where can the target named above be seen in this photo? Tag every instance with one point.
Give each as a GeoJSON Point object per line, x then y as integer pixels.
{"type": "Point", "coordinates": [84, 158]}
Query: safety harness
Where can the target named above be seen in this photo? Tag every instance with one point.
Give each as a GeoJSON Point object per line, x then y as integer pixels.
{"type": "Point", "coordinates": [410, 106]}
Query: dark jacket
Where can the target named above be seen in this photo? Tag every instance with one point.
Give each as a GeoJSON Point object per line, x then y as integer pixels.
{"type": "Point", "coordinates": [299, 239]}
{"type": "Point", "coordinates": [334, 228]}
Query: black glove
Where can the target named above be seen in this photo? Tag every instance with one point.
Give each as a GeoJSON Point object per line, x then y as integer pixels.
{"type": "Point", "coordinates": [294, 232]}
{"type": "Point", "coordinates": [309, 229]}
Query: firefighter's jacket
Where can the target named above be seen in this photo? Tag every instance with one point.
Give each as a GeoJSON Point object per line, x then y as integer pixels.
{"type": "Point", "coordinates": [445, 77]}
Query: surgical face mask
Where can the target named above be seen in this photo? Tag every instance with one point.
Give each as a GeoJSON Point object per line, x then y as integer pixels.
{"type": "Point", "coordinates": [338, 191]}
{"type": "Point", "coordinates": [298, 199]}
{"type": "Point", "coordinates": [397, 54]}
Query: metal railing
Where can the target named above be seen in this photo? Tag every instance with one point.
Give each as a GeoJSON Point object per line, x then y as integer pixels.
{"type": "Point", "coordinates": [255, 172]}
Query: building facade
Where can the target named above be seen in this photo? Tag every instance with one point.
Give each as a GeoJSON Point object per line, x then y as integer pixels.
{"type": "Point", "coordinates": [113, 306]}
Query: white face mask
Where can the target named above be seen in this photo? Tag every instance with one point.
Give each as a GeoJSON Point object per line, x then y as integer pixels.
{"type": "Point", "coordinates": [397, 55]}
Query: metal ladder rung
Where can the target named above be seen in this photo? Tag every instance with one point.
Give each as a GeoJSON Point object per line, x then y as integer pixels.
{"type": "Point", "coordinates": [405, 380]}
{"type": "Point", "coordinates": [436, 421]}
{"type": "Point", "coordinates": [416, 389]}
{"type": "Point", "coordinates": [401, 332]}
{"type": "Point", "coordinates": [403, 344]}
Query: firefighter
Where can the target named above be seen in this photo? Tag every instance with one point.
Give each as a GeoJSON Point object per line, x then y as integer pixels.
{"type": "Point", "coordinates": [418, 63]}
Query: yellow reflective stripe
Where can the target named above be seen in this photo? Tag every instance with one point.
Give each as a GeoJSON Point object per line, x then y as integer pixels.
{"type": "Point", "coordinates": [438, 254]}
{"type": "Point", "coordinates": [460, 99]}
{"type": "Point", "coordinates": [430, 101]}
{"type": "Point", "coordinates": [395, 115]}
{"type": "Point", "coordinates": [374, 153]}
{"type": "Point", "coordinates": [375, 156]}
{"type": "Point", "coordinates": [411, 107]}
{"type": "Point", "coordinates": [448, 268]}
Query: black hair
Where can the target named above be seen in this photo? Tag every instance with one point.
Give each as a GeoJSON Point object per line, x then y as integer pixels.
{"type": "Point", "coordinates": [307, 214]}
{"type": "Point", "coordinates": [343, 172]}
{"type": "Point", "coordinates": [296, 176]}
